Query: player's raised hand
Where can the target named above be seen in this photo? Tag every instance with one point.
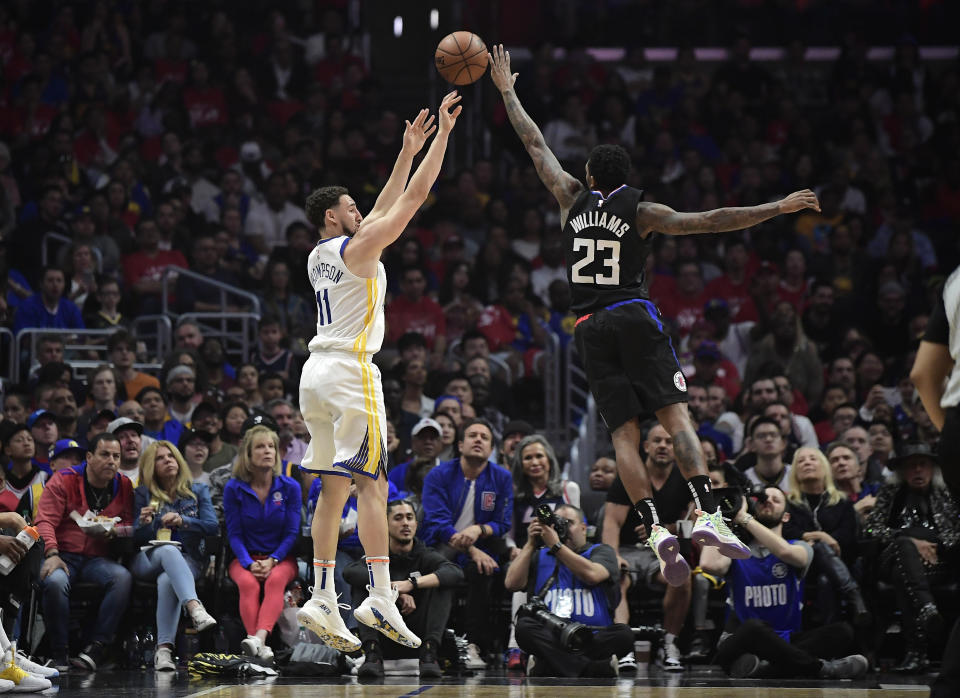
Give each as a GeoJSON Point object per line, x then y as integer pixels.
{"type": "Point", "coordinates": [417, 133]}
{"type": "Point", "coordinates": [500, 68]}
{"type": "Point", "coordinates": [799, 200]}
{"type": "Point", "coordinates": [448, 114]}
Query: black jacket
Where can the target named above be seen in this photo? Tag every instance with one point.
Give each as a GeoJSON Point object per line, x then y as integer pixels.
{"type": "Point", "coordinates": [421, 559]}
{"type": "Point", "coordinates": [839, 520]}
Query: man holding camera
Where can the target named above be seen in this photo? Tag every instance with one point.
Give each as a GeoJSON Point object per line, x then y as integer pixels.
{"type": "Point", "coordinates": [762, 638]}
{"type": "Point", "coordinates": [578, 584]}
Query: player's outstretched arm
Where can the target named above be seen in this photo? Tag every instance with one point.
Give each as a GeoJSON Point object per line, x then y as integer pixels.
{"type": "Point", "coordinates": [414, 136]}
{"type": "Point", "coordinates": [373, 237]}
{"type": "Point", "coordinates": [562, 185]}
{"type": "Point", "coordinates": [663, 219]}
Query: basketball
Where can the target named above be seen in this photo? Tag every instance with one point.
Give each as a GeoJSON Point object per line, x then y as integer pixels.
{"type": "Point", "coordinates": [461, 58]}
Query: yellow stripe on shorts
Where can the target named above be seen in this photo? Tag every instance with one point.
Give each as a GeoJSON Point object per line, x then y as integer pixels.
{"type": "Point", "coordinates": [369, 392]}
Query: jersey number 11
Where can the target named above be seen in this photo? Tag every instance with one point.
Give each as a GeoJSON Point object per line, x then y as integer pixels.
{"type": "Point", "coordinates": [323, 301]}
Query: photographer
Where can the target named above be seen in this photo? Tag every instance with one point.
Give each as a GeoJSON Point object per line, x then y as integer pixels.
{"type": "Point", "coordinates": [578, 583]}
{"type": "Point", "coordinates": [762, 638]}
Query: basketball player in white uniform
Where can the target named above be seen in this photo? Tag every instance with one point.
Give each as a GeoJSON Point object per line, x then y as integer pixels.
{"type": "Point", "coordinates": [340, 393]}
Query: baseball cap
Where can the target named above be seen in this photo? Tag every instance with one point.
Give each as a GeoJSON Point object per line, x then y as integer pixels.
{"type": "Point", "coordinates": [121, 423]}
{"type": "Point", "coordinates": [65, 446]}
{"type": "Point", "coordinates": [715, 304]}
{"type": "Point", "coordinates": [189, 435]}
{"type": "Point", "coordinates": [426, 423]}
{"type": "Point", "coordinates": [707, 350]}
{"type": "Point", "coordinates": [109, 415]}
{"type": "Point", "coordinates": [258, 420]}
{"type": "Point", "coordinates": [517, 426]}
{"type": "Point", "coordinates": [38, 415]}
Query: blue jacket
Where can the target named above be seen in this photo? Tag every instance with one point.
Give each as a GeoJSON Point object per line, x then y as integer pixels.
{"type": "Point", "coordinates": [199, 519]}
{"type": "Point", "coordinates": [444, 491]}
{"type": "Point", "coordinates": [172, 431]}
{"type": "Point", "coordinates": [270, 528]}
{"type": "Point", "coordinates": [33, 313]}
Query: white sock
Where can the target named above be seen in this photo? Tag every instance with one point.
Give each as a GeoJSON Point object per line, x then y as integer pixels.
{"type": "Point", "coordinates": [669, 638]}
{"type": "Point", "coordinates": [323, 576]}
{"type": "Point", "coordinates": [379, 569]}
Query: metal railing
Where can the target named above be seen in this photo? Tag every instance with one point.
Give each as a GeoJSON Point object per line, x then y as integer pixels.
{"type": "Point", "coordinates": [581, 416]}
{"type": "Point", "coordinates": [171, 273]}
{"type": "Point", "coordinates": [554, 419]}
{"type": "Point", "coordinates": [84, 349]}
{"type": "Point", "coordinates": [57, 237]}
{"type": "Point", "coordinates": [499, 365]}
{"type": "Point", "coordinates": [236, 331]}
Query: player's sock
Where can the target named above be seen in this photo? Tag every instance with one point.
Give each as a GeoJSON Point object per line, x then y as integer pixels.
{"type": "Point", "coordinates": [379, 569]}
{"type": "Point", "coordinates": [702, 493]}
{"type": "Point", "coordinates": [323, 574]}
{"type": "Point", "coordinates": [647, 511]}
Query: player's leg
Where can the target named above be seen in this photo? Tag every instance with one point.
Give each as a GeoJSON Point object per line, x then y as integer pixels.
{"type": "Point", "coordinates": [710, 529]}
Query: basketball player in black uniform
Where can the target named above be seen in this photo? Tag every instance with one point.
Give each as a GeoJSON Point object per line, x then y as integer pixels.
{"type": "Point", "coordinates": [630, 362]}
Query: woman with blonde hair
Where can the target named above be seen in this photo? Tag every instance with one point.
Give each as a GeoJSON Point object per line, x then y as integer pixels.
{"type": "Point", "coordinates": [821, 515]}
{"type": "Point", "coordinates": [175, 514]}
{"type": "Point", "coordinates": [262, 512]}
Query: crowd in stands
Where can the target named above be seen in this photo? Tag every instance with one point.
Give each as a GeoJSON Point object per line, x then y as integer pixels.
{"type": "Point", "coordinates": [156, 140]}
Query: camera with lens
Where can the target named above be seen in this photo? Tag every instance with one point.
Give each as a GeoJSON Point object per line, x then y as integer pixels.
{"type": "Point", "coordinates": [573, 636]}
{"type": "Point", "coordinates": [546, 517]}
{"type": "Point", "coordinates": [730, 499]}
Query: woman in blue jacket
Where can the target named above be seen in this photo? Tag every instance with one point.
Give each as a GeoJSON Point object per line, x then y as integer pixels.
{"type": "Point", "coordinates": [262, 512]}
{"type": "Point", "coordinates": [167, 498]}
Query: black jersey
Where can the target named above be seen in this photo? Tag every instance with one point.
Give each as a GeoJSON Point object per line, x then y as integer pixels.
{"type": "Point", "coordinates": [606, 257]}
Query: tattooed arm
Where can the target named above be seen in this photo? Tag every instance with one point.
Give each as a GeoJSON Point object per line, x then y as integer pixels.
{"type": "Point", "coordinates": [663, 219]}
{"type": "Point", "coordinates": [562, 185]}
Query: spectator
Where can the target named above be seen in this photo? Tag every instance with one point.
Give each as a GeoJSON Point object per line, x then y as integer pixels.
{"type": "Point", "coordinates": [733, 285]}
{"type": "Point", "coordinates": [43, 427]}
{"type": "Point", "coordinates": [425, 441]}
{"type": "Point", "coordinates": [143, 270]}
{"type": "Point", "coordinates": [15, 408]}
{"type": "Point", "coordinates": [292, 448]}
{"type": "Point", "coordinates": [537, 481]}
{"type": "Point", "coordinates": [248, 378]}
{"type": "Point", "coordinates": [415, 312]}
{"type": "Point", "coordinates": [857, 438]}
{"type": "Point", "coordinates": [267, 222]}
{"type": "Point", "coordinates": [188, 335]}
{"type": "Point", "coordinates": [74, 554]}
{"type": "Point", "coordinates": [261, 538]}
{"type": "Point", "coordinates": [640, 565]}
{"type": "Point", "coordinates": [103, 384]}
{"type": "Point", "coordinates": [64, 406]}
{"type": "Point", "coordinates": [169, 499]}
{"type": "Point", "coordinates": [22, 473]}
{"type": "Point", "coordinates": [194, 446]}
{"type": "Point", "coordinates": [685, 306]}
{"type": "Point", "coordinates": [130, 434]}
{"type": "Point", "coordinates": [786, 345]}
{"type": "Point", "coordinates": [196, 296]}
{"type": "Point", "coordinates": [764, 640]}
{"type": "Point", "coordinates": [121, 347]}
{"type": "Point", "coordinates": [823, 517]}
{"type": "Point", "coordinates": [233, 416]}
{"type": "Point", "coordinates": [848, 477]}
{"type": "Point", "coordinates": [513, 433]}
{"type": "Point", "coordinates": [271, 356]}
{"type": "Point", "coordinates": [916, 522]}
{"type": "Point", "coordinates": [157, 422]}
{"type": "Point", "coordinates": [768, 444]}
{"type": "Point", "coordinates": [271, 387]}
{"type": "Point", "coordinates": [207, 419]}
{"type": "Point", "coordinates": [49, 308]}
{"type": "Point", "coordinates": [424, 579]}
{"type": "Point", "coordinates": [281, 301]}
{"type": "Point", "coordinates": [734, 339]}
{"type": "Point", "coordinates": [602, 474]}
{"type": "Point", "coordinates": [583, 567]}
{"type": "Point", "coordinates": [448, 435]}
{"type": "Point", "coordinates": [413, 373]}
{"type": "Point", "coordinates": [466, 512]}
{"type": "Point", "coordinates": [181, 382]}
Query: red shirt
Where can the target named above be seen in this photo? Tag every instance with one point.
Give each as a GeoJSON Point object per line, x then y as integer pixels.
{"type": "Point", "coordinates": [798, 299]}
{"type": "Point", "coordinates": [424, 316]}
{"type": "Point", "coordinates": [737, 297]}
{"type": "Point", "coordinates": [682, 309]}
{"type": "Point", "coordinates": [206, 107]}
{"type": "Point", "coordinates": [139, 266]}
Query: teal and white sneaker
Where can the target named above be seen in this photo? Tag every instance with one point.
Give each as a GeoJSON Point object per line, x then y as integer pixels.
{"type": "Point", "coordinates": [672, 565]}
{"type": "Point", "coordinates": [710, 530]}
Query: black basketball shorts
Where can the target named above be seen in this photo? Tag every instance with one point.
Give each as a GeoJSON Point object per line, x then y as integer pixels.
{"type": "Point", "coordinates": [630, 363]}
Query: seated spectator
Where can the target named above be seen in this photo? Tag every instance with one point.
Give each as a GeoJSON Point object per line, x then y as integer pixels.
{"type": "Point", "coordinates": [763, 637]}
{"type": "Point", "coordinates": [261, 538]}
{"type": "Point", "coordinates": [283, 302]}
{"type": "Point", "coordinates": [271, 386]}
{"type": "Point", "coordinates": [448, 435]}
{"type": "Point", "coordinates": [233, 415]}
{"type": "Point", "coordinates": [15, 407]}
{"type": "Point", "coordinates": [181, 384]}
{"type": "Point", "coordinates": [49, 307]}
{"type": "Point", "coordinates": [602, 474]}
{"type": "Point", "coordinates": [624, 532]}
{"type": "Point", "coordinates": [768, 444]}
{"type": "Point", "coordinates": [857, 438]}
{"type": "Point", "coordinates": [271, 356]}
{"type": "Point", "coordinates": [104, 313]}
{"type": "Point", "coordinates": [413, 311]}
{"type": "Point", "coordinates": [513, 433]}
{"type": "Point", "coordinates": [157, 422]}
{"type": "Point", "coordinates": [292, 448]}
{"type": "Point", "coordinates": [43, 428]}
{"type": "Point", "coordinates": [63, 404]}
{"type": "Point", "coordinates": [697, 404]}
{"type": "Point", "coordinates": [881, 447]}
{"type": "Point", "coordinates": [425, 445]}
{"type": "Point", "coordinates": [413, 374]}
{"type": "Point", "coordinates": [194, 446]}
{"type": "Point", "coordinates": [425, 580]}
{"type": "Point", "coordinates": [188, 335]}
{"type": "Point", "coordinates": [130, 435]}
{"type": "Point", "coordinates": [168, 499]}
{"type": "Point", "coordinates": [22, 475]}
{"type": "Point", "coordinates": [467, 505]}
{"type": "Point", "coordinates": [207, 419]}
{"type": "Point", "coordinates": [248, 378]}
{"type": "Point", "coordinates": [195, 296]}
{"type": "Point", "coordinates": [104, 384]}
{"type": "Point", "coordinates": [823, 517]}
{"type": "Point", "coordinates": [580, 569]}
{"type": "Point", "coordinates": [143, 270]}
{"type": "Point", "coordinates": [786, 345]}
{"type": "Point", "coordinates": [122, 348]}
{"type": "Point", "coordinates": [267, 222]}
{"type": "Point", "coordinates": [74, 554]}
{"type": "Point", "coordinates": [834, 396]}
{"type": "Point", "coordinates": [848, 476]}
{"type": "Point", "coordinates": [917, 524]}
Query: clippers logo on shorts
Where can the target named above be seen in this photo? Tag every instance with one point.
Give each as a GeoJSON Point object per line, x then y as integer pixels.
{"type": "Point", "coordinates": [488, 501]}
{"type": "Point", "coordinates": [680, 381]}
{"type": "Point", "coordinates": [277, 498]}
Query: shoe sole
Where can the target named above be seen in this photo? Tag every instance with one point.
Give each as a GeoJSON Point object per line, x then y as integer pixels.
{"type": "Point", "coordinates": [337, 641]}
{"type": "Point", "coordinates": [672, 565]}
{"type": "Point", "coordinates": [745, 668]}
{"type": "Point", "coordinates": [709, 539]}
{"type": "Point", "coordinates": [382, 625]}
{"type": "Point", "coordinates": [671, 668]}
{"type": "Point", "coordinates": [628, 667]}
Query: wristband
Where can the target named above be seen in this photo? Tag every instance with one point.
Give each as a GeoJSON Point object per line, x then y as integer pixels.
{"type": "Point", "coordinates": [413, 581]}
{"type": "Point", "coordinates": [51, 553]}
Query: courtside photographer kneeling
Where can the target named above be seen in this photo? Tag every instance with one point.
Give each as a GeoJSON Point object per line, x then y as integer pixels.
{"type": "Point", "coordinates": [567, 626]}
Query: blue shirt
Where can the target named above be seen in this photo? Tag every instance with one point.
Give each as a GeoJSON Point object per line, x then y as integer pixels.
{"type": "Point", "coordinates": [767, 589]}
{"type": "Point", "coordinates": [199, 519]}
{"type": "Point", "coordinates": [33, 313]}
{"type": "Point", "coordinates": [569, 596]}
{"type": "Point", "coordinates": [267, 528]}
{"type": "Point", "coordinates": [445, 490]}
{"type": "Point", "coordinates": [171, 431]}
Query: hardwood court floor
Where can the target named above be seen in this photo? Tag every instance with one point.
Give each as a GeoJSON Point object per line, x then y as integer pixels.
{"type": "Point", "coordinates": [701, 682]}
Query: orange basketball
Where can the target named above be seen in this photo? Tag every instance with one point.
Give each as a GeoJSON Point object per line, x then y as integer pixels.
{"type": "Point", "coordinates": [461, 58]}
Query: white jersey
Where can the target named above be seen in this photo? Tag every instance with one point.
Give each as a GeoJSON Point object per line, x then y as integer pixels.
{"type": "Point", "coordinates": [349, 307]}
